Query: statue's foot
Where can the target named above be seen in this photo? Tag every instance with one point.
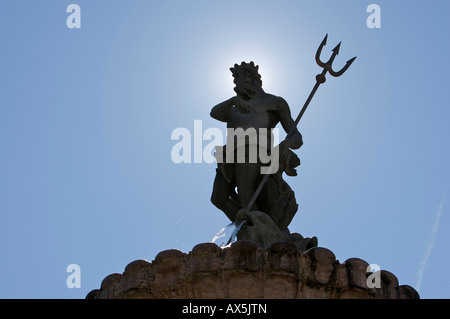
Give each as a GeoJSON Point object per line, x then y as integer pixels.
{"type": "Point", "coordinates": [312, 242]}
{"type": "Point", "coordinates": [302, 243]}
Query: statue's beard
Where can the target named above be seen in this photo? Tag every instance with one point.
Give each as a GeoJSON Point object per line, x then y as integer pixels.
{"type": "Point", "coordinates": [245, 92]}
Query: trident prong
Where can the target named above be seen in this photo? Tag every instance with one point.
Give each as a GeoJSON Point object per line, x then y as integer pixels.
{"type": "Point", "coordinates": [347, 65]}
{"type": "Point", "coordinates": [319, 51]}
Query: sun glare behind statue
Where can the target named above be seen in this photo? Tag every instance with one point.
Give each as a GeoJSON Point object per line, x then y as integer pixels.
{"type": "Point", "coordinates": [222, 80]}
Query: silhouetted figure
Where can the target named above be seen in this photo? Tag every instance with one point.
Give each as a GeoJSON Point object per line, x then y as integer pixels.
{"type": "Point", "coordinates": [254, 108]}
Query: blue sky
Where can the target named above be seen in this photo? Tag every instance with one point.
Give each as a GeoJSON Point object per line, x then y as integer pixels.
{"type": "Point", "coordinates": [86, 115]}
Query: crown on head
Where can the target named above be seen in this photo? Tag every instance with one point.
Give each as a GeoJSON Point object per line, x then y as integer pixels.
{"type": "Point", "coordinates": [250, 69]}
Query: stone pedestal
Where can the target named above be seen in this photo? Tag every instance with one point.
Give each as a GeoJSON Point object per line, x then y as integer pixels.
{"type": "Point", "coordinates": [246, 271]}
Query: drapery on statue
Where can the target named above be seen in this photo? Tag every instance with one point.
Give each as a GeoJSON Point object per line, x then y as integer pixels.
{"type": "Point", "coordinates": [274, 208]}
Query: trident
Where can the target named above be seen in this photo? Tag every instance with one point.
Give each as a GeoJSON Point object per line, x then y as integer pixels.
{"type": "Point", "coordinates": [320, 78]}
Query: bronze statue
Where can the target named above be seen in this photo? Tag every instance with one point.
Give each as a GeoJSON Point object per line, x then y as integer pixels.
{"type": "Point", "coordinates": [263, 203]}
{"type": "Point", "coordinates": [254, 108]}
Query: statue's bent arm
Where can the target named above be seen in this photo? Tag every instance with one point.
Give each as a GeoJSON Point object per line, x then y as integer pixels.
{"type": "Point", "coordinates": [294, 141]}
{"type": "Point", "coordinates": [220, 111]}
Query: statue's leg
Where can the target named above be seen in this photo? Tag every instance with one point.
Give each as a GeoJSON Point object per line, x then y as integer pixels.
{"type": "Point", "coordinates": [221, 197]}
{"type": "Point", "coordinates": [247, 177]}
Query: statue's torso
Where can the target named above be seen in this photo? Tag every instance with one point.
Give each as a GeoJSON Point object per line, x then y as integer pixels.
{"type": "Point", "coordinates": [264, 115]}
